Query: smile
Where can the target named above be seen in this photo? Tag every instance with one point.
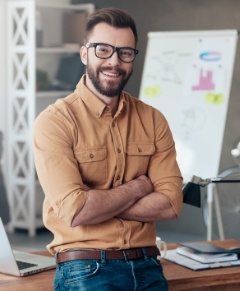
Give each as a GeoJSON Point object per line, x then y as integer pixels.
{"type": "Point", "coordinates": [111, 74]}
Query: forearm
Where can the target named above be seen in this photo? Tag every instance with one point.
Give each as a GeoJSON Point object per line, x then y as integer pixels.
{"type": "Point", "coordinates": [102, 205]}
{"type": "Point", "coordinates": [152, 207]}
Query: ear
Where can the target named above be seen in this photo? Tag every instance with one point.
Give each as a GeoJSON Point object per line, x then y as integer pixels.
{"type": "Point", "coordinates": [83, 55]}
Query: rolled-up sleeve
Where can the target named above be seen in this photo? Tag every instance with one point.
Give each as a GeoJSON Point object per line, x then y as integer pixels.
{"type": "Point", "coordinates": [163, 170]}
{"type": "Point", "coordinates": [56, 166]}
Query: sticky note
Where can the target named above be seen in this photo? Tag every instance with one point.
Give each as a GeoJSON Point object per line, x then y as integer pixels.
{"type": "Point", "coordinates": [214, 98]}
{"type": "Point", "coordinates": [152, 91]}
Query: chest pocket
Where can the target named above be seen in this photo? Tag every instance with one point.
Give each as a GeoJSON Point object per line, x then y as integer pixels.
{"type": "Point", "coordinates": [92, 165]}
{"type": "Point", "coordinates": [137, 159]}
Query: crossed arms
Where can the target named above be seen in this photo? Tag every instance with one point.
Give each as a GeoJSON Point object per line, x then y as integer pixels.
{"type": "Point", "coordinates": [134, 200]}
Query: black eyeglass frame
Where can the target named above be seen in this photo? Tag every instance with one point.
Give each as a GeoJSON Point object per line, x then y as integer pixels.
{"type": "Point", "coordinates": [115, 49]}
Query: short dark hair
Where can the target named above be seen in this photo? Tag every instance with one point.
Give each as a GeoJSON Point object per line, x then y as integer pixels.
{"type": "Point", "coordinates": [113, 16]}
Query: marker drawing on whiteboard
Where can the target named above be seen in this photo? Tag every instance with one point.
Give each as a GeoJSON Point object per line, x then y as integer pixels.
{"type": "Point", "coordinates": [205, 81]}
{"type": "Point", "coordinates": [210, 56]}
{"type": "Point", "coordinates": [193, 120]}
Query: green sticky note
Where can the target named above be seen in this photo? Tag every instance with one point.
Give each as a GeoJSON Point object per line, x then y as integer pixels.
{"type": "Point", "coordinates": [152, 91]}
{"type": "Point", "coordinates": [214, 98]}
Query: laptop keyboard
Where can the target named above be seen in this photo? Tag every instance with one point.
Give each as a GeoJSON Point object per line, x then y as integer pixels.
{"type": "Point", "coordinates": [24, 265]}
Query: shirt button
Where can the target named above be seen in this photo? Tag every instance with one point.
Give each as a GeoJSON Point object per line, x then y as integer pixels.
{"type": "Point", "coordinates": [139, 150]}
{"type": "Point", "coordinates": [125, 242]}
{"type": "Point", "coordinates": [118, 177]}
{"type": "Point", "coordinates": [91, 156]}
{"type": "Point", "coordinates": [119, 151]}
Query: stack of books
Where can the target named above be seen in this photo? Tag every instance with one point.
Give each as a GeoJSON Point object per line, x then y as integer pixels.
{"type": "Point", "coordinates": [200, 256]}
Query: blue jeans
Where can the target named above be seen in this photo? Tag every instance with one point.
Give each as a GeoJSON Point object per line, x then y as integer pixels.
{"type": "Point", "coordinates": [110, 275]}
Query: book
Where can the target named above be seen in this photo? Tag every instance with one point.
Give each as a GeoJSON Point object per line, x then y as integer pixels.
{"type": "Point", "coordinates": [206, 257]}
{"type": "Point", "coordinates": [205, 248]}
{"type": "Point", "coordinates": [191, 264]}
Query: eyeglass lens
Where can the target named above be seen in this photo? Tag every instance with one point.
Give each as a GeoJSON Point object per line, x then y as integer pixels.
{"type": "Point", "coordinates": [105, 51]}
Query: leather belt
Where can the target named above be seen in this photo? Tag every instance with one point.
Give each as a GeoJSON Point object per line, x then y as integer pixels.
{"type": "Point", "coordinates": [128, 254]}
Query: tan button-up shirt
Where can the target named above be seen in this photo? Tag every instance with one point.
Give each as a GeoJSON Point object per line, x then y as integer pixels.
{"type": "Point", "coordinates": [77, 141]}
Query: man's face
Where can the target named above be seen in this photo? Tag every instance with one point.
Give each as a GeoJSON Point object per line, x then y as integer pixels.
{"type": "Point", "coordinates": [107, 77]}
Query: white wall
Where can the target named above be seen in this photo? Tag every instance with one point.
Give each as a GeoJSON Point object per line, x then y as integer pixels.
{"type": "Point", "coordinates": [2, 62]}
{"type": "Point", "coordinates": [3, 103]}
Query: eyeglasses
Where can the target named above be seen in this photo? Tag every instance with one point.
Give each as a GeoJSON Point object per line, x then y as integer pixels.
{"type": "Point", "coordinates": [105, 51]}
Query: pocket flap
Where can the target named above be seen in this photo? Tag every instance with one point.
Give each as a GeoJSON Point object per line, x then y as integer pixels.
{"type": "Point", "coordinates": [140, 149]}
{"type": "Point", "coordinates": [91, 154]}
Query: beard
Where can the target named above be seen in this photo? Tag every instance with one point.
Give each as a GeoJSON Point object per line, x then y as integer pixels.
{"type": "Point", "coordinates": [112, 89]}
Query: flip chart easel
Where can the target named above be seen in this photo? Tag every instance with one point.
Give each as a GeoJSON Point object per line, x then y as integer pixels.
{"type": "Point", "coordinates": [187, 76]}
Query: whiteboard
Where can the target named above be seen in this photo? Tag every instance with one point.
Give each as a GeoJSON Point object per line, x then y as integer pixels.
{"type": "Point", "coordinates": [187, 76]}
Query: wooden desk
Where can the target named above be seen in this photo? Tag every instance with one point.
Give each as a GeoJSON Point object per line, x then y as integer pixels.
{"type": "Point", "coordinates": [222, 279]}
{"type": "Point", "coordinates": [179, 278]}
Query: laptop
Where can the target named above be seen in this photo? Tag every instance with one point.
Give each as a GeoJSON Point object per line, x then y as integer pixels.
{"type": "Point", "coordinates": [17, 263]}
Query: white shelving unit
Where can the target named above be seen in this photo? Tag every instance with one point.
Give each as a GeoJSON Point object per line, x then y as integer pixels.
{"type": "Point", "coordinates": [23, 59]}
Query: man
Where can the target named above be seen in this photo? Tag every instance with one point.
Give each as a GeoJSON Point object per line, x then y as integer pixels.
{"type": "Point", "coordinates": [107, 164]}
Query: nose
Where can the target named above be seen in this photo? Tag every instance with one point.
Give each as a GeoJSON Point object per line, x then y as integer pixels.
{"type": "Point", "coordinates": [114, 59]}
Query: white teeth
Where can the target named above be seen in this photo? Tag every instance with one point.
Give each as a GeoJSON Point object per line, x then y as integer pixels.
{"type": "Point", "coordinates": [110, 74]}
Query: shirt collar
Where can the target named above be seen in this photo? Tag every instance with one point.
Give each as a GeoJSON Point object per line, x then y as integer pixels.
{"type": "Point", "coordinates": [95, 104]}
